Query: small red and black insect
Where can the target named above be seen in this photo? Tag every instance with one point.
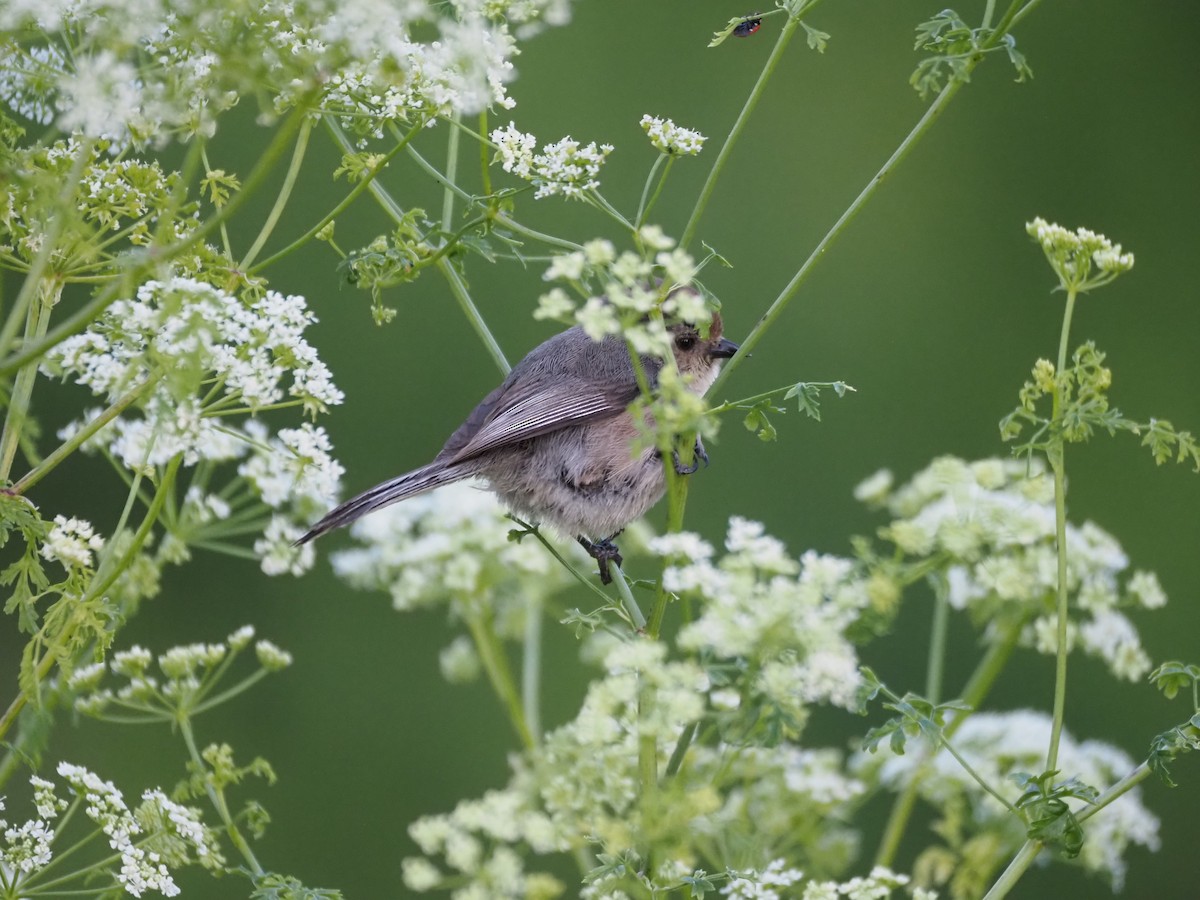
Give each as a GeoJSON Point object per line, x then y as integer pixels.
{"type": "Point", "coordinates": [747, 28]}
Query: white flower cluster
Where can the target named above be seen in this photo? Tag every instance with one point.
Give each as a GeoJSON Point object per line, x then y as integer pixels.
{"type": "Point", "coordinates": [72, 543]}
{"type": "Point", "coordinates": [209, 354]}
{"type": "Point", "coordinates": [762, 604]}
{"type": "Point", "coordinates": [151, 839]}
{"type": "Point", "coordinates": [580, 787]}
{"type": "Point", "coordinates": [567, 168]}
{"type": "Point", "coordinates": [998, 744]}
{"type": "Point", "coordinates": [992, 521]}
{"type": "Point", "coordinates": [1073, 253]}
{"type": "Point", "coordinates": [192, 331]}
{"type": "Point", "coordinates": [670, 138]}
{"type": "Point", "coordinates": [878, 885]}
{"type": "Point", "coordinates": [191, 673]}
{"type": "Point", "coordinates": [761, 884]}
{"type": "Point", "coordinates": [478, 843]}
{"type": "Point", "coordinates": [171, 69]}
{"type": "Point", "coordinates": [450, 545]}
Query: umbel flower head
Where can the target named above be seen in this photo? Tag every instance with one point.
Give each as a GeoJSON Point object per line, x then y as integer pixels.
{"type": "Point", "coordinates": [1081, 259]}
{"type": "Point", "coordinates": [670, 138]}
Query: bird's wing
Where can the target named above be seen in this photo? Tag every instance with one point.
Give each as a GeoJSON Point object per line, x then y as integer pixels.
{"type": "Point", "coordinates": [524, 409]}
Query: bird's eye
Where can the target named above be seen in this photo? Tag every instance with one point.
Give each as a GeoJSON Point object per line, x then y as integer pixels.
{"type": "Point", "coordinates": [687, 342]}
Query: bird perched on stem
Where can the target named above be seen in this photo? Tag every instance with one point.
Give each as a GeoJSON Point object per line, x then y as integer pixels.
{"type": "Point", "coordinates": [557, 440]}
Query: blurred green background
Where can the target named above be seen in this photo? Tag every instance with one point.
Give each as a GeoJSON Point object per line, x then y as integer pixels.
{"type": "Point", "coordinates": [933, 305]}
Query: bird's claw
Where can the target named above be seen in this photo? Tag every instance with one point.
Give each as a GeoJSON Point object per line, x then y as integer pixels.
{"type": "Point", "coordinates": [701, 456]}
{"type": "Point", "coordinates": [603, 552]}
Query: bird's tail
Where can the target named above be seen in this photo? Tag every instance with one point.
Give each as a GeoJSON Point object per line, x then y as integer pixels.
{"type": "Point", "coordinates": [399, 488]}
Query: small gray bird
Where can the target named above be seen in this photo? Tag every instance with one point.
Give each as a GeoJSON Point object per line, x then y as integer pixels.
{"type": "Point", "coordinates": [556, 440]}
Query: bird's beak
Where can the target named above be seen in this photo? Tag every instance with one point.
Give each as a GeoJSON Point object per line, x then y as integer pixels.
{"type": "Point", "coordinates": [724, 349]}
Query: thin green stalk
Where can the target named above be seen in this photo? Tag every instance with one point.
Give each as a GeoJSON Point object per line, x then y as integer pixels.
{"type": "Point", "coordinates": [1011, 875]}
{"type": "Point", "coordinates": [1057, 455]}
{"type": "Point", "coordinates": [973, 694]}
{"type": "Point", "coordinates": [631, 605]}
{"type": "Point", "coordinates": [563, 561]}
{"type": "Point", "coordinates": [706, 192]}
{"type": "Point", "coordinates": [341, 207]}
{"type": "Point", "coordinates": [457, 286]}
{"type": "Point", "coordinates": [99, 586]}
{"type": "Point", "coordinates": [47, 465]}
{"type": "Point", "coordinates": [531, 667]}
{"type": "Point", "coordinates": [681, 748]}
{"type": "Point", "coordinates": [647, 746]}
{"type": "Point", "coordinates": [495, 664]}
{"type": "Point", "coordinates": [485, 171]}
{"type": "Point", "coordinates": [37, 321]}
{"type": "Point", "coordinates": [936, 665]}
{"type": "Point", "coordinates": [37, 269]}
{"type": "Point", "coordinates": [498, 217]}
{"type": "Point", "coordinates": [1126, 784]}
{"type": "Point", "coordinates": [647, 202]}
{"type": "Point", "coordinates": [226, 244]}
{"type": "Point", "coordinates": [459, 289]}
{"type": "Point", "coordinates": [285, 193]}
{"type": "Point", "coordinates": [785, 296]}
{"type": "Point", "coordinates": [598, 201]}
{"type": "Point", "coordinates": [451, 177]}
{"type": "Point", "coordinates": [217, 798]}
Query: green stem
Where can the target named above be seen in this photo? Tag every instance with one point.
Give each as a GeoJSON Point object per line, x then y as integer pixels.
{"type": "Point", "coordinates": [451, 177]}
{"type": "Point", "coordinates": [647, 745]}
{"type": "Point", "coordinates": [1012, 16]}
{"type": "Point", "coordinates": [1011, 875]}
{"type": "Point", "coordinates": [780, 304]}
{"type": "Point", "coordinates": [498, 217]}
{"type": "Point", "coordinates": [937, 642]}
{"type": "Point", "coordinates": [457, 286]}
{"type": "Point", "coordinates": [37, 320]}
{"type": "Point", "coordinates": [1057, 455]}
{"type": "Point", "coordinates": [631, 605]}
{"type": "Point", "coordinates": [531, 667]}
{"type": "Point", "coordinates": [496, 665]}
{"type": "Point", "coordinates": [706, 192]}
{"type": "Point", "coordinates": [563, 561]}
{"type": "Point", "coordinates": [1126, 784]}
{"type": "Point", "coordinates": [681, 749]}
{"type": "Point", "coordinates": [47, 465]}
{"type": "Point", "coordinates": [973, 694]}
{"type": "Point", "coordinates": [285, 193]}
{"type": "Point", "coordinates": [354, 194]}
{"type": "Point", "coordinates": [643, 209]}
{"type": "Point", "coordinates": [217, 798]}
{"type": "Point", "coordinates": [459, 289]}
{"type": "Point", "coordinates": [485, 171]}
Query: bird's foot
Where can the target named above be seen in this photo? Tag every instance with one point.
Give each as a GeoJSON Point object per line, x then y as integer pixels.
{"type": "Point", "coordinates": [603, 552]}
{"type": "Point", "coordinates": [700, 457]}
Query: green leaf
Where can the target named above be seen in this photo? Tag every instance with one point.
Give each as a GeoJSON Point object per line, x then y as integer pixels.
{"type": "Point", "coordinates": [808, 397]}
{"type": "Point", "coordinates": [817, 40]}
{"type": "Point", "coordinates": [1168, 746]}
{"type": "Point", "coordinates": [756, 421]}
{"type": "Point", "coordinates": [1017, 59]}
{"type": "Point", "coordinates": [1047, 814]}
{"type": "Point", "coordinates": [1172, 677]}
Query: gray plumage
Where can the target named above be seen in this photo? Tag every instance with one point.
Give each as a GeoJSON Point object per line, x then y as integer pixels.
{"type": "Point", "coordinates": [555, 440]}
